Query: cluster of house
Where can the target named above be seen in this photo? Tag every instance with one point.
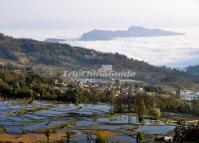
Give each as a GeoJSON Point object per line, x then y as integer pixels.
{"type": "Point", "coordinates": [119, 88]}
{"type": "Point", "coordinates": [189, 95]}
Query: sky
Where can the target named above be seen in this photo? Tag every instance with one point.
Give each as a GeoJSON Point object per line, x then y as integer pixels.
{"type": "Point", "coordinates": [41, 19]}
{"type": "Point", "coordinates": [55, 14]}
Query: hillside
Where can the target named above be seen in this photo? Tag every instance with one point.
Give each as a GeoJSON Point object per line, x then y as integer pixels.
{"type": "Point", "coordinates": [193, 70]}
{"type": "Point", "coordinates": [28, 52]}
{"type": "Point", "coordinates": [133, 31]}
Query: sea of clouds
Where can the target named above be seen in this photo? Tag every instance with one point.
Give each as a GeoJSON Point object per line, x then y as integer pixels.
{"type": "Point", "coordinates": [174, 51]}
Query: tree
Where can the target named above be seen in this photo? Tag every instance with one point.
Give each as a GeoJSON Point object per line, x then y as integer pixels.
{"type": "Point", "coordinates": [68, 136]}
{"type": "Point", "coordinates": [140, 137]}
{"type": "Point", "coordinates": [100, 137]}
{"type": "Point", "coordinates": [140, 109]}
{"type": "Point", "coordinates": [111, 95]}
{"type": "Point", "coordinates": [48, 133]}
{"type": "Point", "coordinates": [155, 113]}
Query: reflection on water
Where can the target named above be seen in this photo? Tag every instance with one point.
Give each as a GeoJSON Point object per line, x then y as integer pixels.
{"type": "Point", "coordinates": [55, 114]}
{"type": "Point", "coordinates": [19, 118]}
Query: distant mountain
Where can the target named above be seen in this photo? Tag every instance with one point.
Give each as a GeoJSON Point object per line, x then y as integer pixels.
{"type": "Point", "coordinates": [28, 52]}
{"type": "Point", "coordinates": [193, 70]}
{"type": "Point", "coordinates": [183, 64]}
{"type": "Point", "coordinates": [55, 40]}
{"type": "Point", "coordinates": [133, 31]}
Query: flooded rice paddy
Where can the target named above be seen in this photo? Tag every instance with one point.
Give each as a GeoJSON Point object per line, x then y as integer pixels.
{"type": "Point", "coordinates": [79, 122]}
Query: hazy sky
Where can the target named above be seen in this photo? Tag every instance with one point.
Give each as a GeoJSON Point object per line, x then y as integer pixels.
{"type": "Point", "coordinates": [70, 18]}
{"type": "Point", "coordinates": [98, 13]}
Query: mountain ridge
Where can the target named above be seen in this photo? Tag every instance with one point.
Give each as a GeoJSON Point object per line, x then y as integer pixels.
{"type": "Point", "coordinates": [133, 31]}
